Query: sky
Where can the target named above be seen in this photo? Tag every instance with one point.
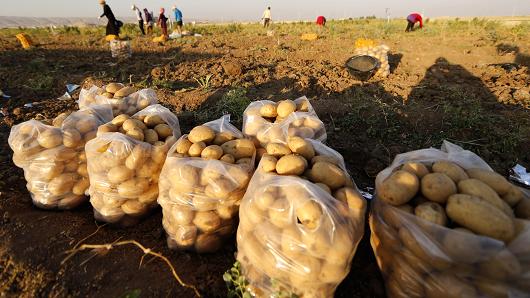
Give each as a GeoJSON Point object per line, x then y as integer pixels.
{"type": "Point", "coordinates": [248, 10]}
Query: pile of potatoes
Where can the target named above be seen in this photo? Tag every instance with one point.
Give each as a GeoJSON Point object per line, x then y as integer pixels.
{"type": "Point", "coordinates": [441, 230]}
{"type": "Point", "coordinates": [267, 121]}
{"type": "Point", "coordinates": [300, 221]}
{"type": "Point", "coordinates": [124, 163]}
{"type": "Point", "coordinates": [380, 53]}
{"type": "Point", "coordinates": [54, 159]}
{"type": "Point", "coordinates": [201, 185]}
{"type": "Point", "coordinates": [123, 99]}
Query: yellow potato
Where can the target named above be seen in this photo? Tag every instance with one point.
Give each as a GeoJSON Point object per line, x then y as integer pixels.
{"type": "Point", "coordinates": [212, 152]}
{"type": "Point", "coordinates": [149, 197]}
{"type": "Point", "coordinates": [71, 138]}
{"type": "Point", "coordinates": [503, 266]}
{"type": "Point", "coordinates": [329, 174]}
{"type": "Point", "coordinates": [183, 145]}
{"type": "Point", "coordinates": [277, 150]}
{"type": "Point", "coordinates": [252, 128]}
{"type": "Point", "coordinates": [309, 214]}
{"type": "Point", "coordinates": [207, 221]}
{"type": "Point", "coordinates": [204, 203]}
{"type": "Point", "coordinates": [163, 130]}
{"type": "Point", "coordinates": [437, 187]}
{"type": "Point", "coordinates": [82, 170]}
{"type": "Point", "coordinates": [416, 168]}
{"type": "Point", "coordinates": [133, 188]}
{"type": "Point", "coordinates": [352, 198]}
{"type": "Point", "coordinates": [279, 213]}
{"type": "Point", "coordinates": [113, 87]}
{"type": "Point", "coordinates": [223, 137]}
{"type": "Point", "coordinates": [133, 207]}
{"type": "Point", "coordinates": [492, 179]}
{"type": "Point", "coordinates": [227, 211]}
{"type": "Point", "coordinates": [268, 110]}
{"type": "Point", "coordinates": [480, 216]}
{"type": "Point", "coordinates": [133, 124]}
{"type": "Point", "coordinates": [136, 133]}
{"type": "Point", "coordinates": [522, 209]}
{"type": "Point", "coordinates": [302, 132]}
{"type": "Point", "coordinates": [432, 212]}
{"type": "Point", "coordinates": [86, 124]}
{"type": "Point", "coordinates": [220, 188]}
{"type": "Point", "coordinates": [108, 127]}
{"type": "Point", "coordinates": [324, 158]}
{"type": "Point", "coordinates": [475, 187]}
{"type": "Point", "coordinates": [159, 152]}
{"type": "Point", "coordinates": [513, 196]}
{"type": "Point", "coordinates": [120, 119]}
{"type": "Point", "coordinates": [228, 158]}
{"type": "Point", "coordinates": [140, 153]}
{"type": "Point", "coordinates": [201, 134]}
{"type": "Point", "coordinates": [50, 138]}
{"type": "Point", "coordinates": [462, 246]}
{"type": "Point", "coordinates": [413, 243]}
{"type": "Point", "coordinates": [80, 187]}
{"type": "Point", "coordinates": [268, 163]}
{"type": "Point", "coordinates": [196, 149]}
{"type": "Point", "coordinates": [62, 184]}
{"type": "Point", "coordinates": [58, 121]}
{"type": "Point", "coordinates": [303, 105]}
{"type": "Point", "coordinates": [239, 148]}
{"type": "Point", "coordinates": [244, 161]}
{"type": "Point", "coordinates": [300, 146]}
{"type": "Point", "coordinates": [324, 187]}
{"type": "Point", "coordinates": [148, 170]}
{"type": "Point", "coordinates": [285, 107]}
{"type": "Point", "coordinates": [150, 136]}
{"type": "Point", "coordinates": [119, 174]}
{"type": "Point", "coordinates": [153, 120]}
{"type": "Point", "coordinates": [451, 169]}
{"type": "Point", "coordinates": [399, 188]}
{"type": "Point", "coordinates": [125, 91]}
{"type": "Point", "coordinates": [291, 165]}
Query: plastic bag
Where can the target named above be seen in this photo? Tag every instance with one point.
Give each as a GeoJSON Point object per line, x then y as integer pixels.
{"type": "Point", "coordinates": [294, 236]}
{"type": "Point", "coordinates": [419, 258]}
{"type": "Point", "coordinates": [302, 122]}
{"type": "Point", "coordinates": [54, 160]}
{"type": "Point", "coordinates": [129, 104]}
{"type": "Point", "coordinates": [380, 52]}
{"type": "Point", "coordinates": [124, 171]}
{"type": "Point", "coordinates": [120, 49]}
{"type": "Point", "coordinates": [200, 197]}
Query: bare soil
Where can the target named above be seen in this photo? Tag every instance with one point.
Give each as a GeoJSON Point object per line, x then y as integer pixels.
{"type": "Point", "coordinates": [464, 88]}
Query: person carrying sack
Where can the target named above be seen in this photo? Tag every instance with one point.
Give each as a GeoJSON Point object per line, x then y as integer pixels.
{"type": "Point", "coordinates": [139, 18]}
{"type": "Point", "coordinates": [113, 25]}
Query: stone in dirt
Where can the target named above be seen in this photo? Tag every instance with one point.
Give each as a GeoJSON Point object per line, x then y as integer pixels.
{"type": "Point", "coordinates": [232, 68]}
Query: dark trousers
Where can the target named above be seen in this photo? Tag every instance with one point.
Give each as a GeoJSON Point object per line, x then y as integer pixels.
{"type": "Point", "coordinates": [410, 26]}
{"type": "Point", "coordinates": [141, 25]}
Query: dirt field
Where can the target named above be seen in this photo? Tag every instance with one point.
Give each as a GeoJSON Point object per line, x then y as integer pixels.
{"type": "Point", "coordinates": [450, 81]}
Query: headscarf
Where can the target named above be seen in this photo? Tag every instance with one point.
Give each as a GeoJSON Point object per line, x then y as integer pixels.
{"type": "Point", "coordinates": [102, 2]}
{"type": "Point", "coordinates": [162, 10]}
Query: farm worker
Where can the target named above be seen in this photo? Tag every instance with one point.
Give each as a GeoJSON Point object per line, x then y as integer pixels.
{"type": "Point", "coordinates": [113, 25]}
{"type": "Point", "coordinates": [321, 21]}
{"type": "Point", "coordinates": [148, 21]}
{"type": "Point", "coordinates": [412, 19]}
{"type": "Point", "coordinates": [266, 17]}
{"type": "Point", "coordinates": [162, 22]}
{"type": "Point", "coordinates": [178, 19]}
{"type": "Point", "coordinates": [139, 18]}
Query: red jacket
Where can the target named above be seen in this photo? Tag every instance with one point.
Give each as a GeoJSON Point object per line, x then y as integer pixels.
{"type": "Point", "coordinates": [321, 20]}
{"type": "Point", "coordinates": [415, 17]}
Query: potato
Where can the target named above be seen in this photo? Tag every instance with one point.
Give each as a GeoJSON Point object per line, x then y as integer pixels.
{"type": "Point", "coordinates": [314, 123]}
{"type": "Point", "coordinates": [416, 168]}
{"type": "Point", "coordinates": [212, 152]}
{"type": "Point", "coordinates": [492, 179]}
{"type": "Point", "coordinates": [133, 207]}
{"type": "Point", "coordinates": [503, 266]}
{"type": "Point", "coordinates": [136, 133]}
{"type": "Point", "coordinates": [148, 170]}
{"type": "Point", "coordinates": [513, 196]}
{"type": "Point", "coordinates": [219, 188]}
{"type": "Point", "coordinates": [138, 156]}
{"type": "Point", "coordinates": [522, 209]}
{"type": "Point", "coordinates": [133, 188]}
{"type": "Point", "coordinates": [268, 110]}
{"type": "Point", "coordinates": [185, 236]}
{"type": "Point", "coordinates": [309, 214]}
{"type": "Point", "coordinates": [309, 273]}
{"type": "Point", "coordinates": [184, 174]}
{"type": "Point", "coordinates": [149, 197]}
{"type": "Point", "coordinates": [329, 174]}
{"type": "Point", "coordinates": [207, 243]}
{"type": "Point", "coordinates": [71, 138]}
{"type": "Point", "coordinates": [80, 187]}
{"type": "Point", "coordinates": [437, 187]}
{"type": "Point", "coordinates": [291, 165]}
{"type": "Point", "coordinates": [239, 148]}
{"type": "Point", "coordinates": [245, 161]}
{"type": "Point", "coordinates": [446, 285]}
{"type": "Point", "coordinates": [125, 91]}
{"type": "Point", "coordinates": [475, 187]}
{"type": "Point", "coordinates": [300, 146]}
{"type": "Point", "coordinates": [462, 246]}
{"type": "Point", "coordinates": [324, 158]}
{"type": "Point", "coordinates": [163, 130]}
{"type": "Point", "coordinates": [204, 203]}
{"type": "Point", "coordinates": [150, 136]}
{"type": "Point", "coordinates": [303, 106]}
{"type": "Point", "coordinates": [285, 107]}
{"type": "Point", "coordinates": [50, 138]}
{"type": "Point", "coordinates": [82, 170]}
{"type": "Point", "coordinates": [196, 149]}
{"type": "Point", "coordinates": [182, 215]}
{"type": "Point", "coordinates": [223, 137]}
{"type": "Point", "coordinates": [58, 121]}
{"type": "Point", "coordinates": [207, 221]}
{"type": "Point", "coordinates": [399, 188]}
{"type": "Point", "coordinates": [85, 125]}
{"type": "Point", "coordinates": [48, 171]}
{"type": "Point", "coordinates": [279, 213]}
{"type": "Point", "coordinates": [228, 158]}
{"type": "Point", "coordinates": [153, 120]}
{"type": "Point", "coordinates": [143, 103]}
{"type": "Point", "coordinates": [480, 216]}
{"type": "Point", "coordinates": [432, 212]}
{"type": "Point", "coordinates": [183, 145]}
{"type": "Point", "coordinates": [108, 127]}
{"type": "Point", "coordinates": [277, 150]}
{"type": "Point", "coordinates": [113, 87]}
{"type": "Point", "coordinates": [291, 241]}
{"type": "Point", "coordinates": [408, 279]}
{"type": "Point", "coordinates": [324, 187]}
{"type": "Point", "coordinates": [252, 128]}
{"type": "Point", "coordinates": [302, 132]}
{"type": "Point", "coordinates": [120, 119]}
{"type": "Point", "coordinates": [450, 169]}
{"type": "Point", "coordinates": [352, 198]}
{"type": "Point", "coordinates": [133, 124]}
{"type": "Point", "coordinates": [201, 134]}
{"type": "Point", "coordinates": [89, 136]}
{"type": "Point", "coordinates": [119, 174]}
{"type": "Point", "coordinates": [414, 243]}
{"type": "Point", "coordinates": [62, 184]}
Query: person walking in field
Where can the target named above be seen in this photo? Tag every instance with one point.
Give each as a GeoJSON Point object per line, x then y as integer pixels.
{"type": "Point", "coordinates": [266, 17]}
{"type": "Point", "coordinates": [178, 19]}
{"type": "Point", "coordinates": [148, 21]}
{"type": "Point", "coordinates": [412, 19]}
{"type": "Point", "coordinates": [139, 18]}
{"type": "Point", "coordinates": [113, 25]}
{"type": "Point", "coordinates": [162, 22]}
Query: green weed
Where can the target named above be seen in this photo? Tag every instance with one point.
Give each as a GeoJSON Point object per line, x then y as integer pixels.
{"type": "Point", "coordinates": [204, 82]}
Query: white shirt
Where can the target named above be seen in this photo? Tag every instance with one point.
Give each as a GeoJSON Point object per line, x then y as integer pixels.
{"type": "Point", "coordinates": [267, 14]}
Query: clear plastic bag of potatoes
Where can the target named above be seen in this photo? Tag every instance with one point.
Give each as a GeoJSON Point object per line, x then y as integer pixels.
{"type": "Point", "coordinates": [445, 225]}
{"type": "Point", "coordinates": [296, 236]}
{"type": "Point", "coordinates": [123, 99]}
{"type": "Point", "coordinates": [54, 160]}
{"type": "Point", "coordinates": [124, 169]}
{"type": "Point", "coordinates": [273, 122]}
{"type": "Point", "coordinates": [200, 195]}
